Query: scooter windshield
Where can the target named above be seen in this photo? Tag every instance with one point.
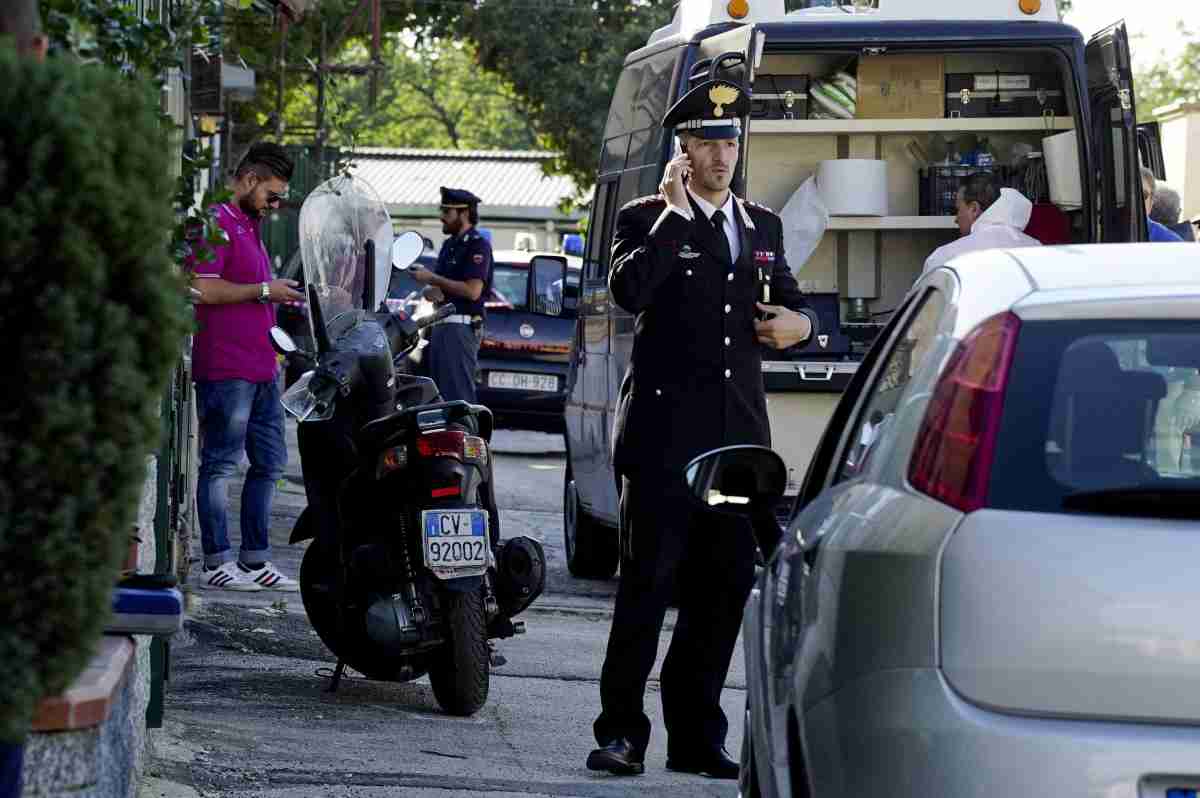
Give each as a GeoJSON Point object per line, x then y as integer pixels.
{"type": "Point", "coordinates": [336, 221]}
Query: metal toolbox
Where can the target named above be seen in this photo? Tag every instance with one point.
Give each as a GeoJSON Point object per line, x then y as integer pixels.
{"type": "Point", "coordinates": [779, 97]}
{"type": "Point", "coordinates": [1005, 94]}
{"type": "Point", "coordinates": [812, 376]}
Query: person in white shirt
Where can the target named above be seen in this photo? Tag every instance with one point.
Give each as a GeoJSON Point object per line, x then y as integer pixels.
{"type": "Point", "coordinates": [989, 217]}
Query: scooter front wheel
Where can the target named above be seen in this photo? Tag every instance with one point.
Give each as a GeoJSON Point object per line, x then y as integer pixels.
{"type": "Point", "coordinates": [459, 672]}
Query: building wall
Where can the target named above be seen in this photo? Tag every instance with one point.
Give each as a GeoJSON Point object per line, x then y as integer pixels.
{"type": "Point", "coordinates": [1180, 126]}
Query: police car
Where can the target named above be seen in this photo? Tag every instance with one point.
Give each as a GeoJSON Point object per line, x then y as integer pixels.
{"type": "Point", "coordinates": [526, 347]}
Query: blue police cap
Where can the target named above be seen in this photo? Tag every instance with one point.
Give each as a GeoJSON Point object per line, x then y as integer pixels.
{"type": "Point", "coordinates": [711, 110]}
{"type": "Point", "coordinates": [458, 198]}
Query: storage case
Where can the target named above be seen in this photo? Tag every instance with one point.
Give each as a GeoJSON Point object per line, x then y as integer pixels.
{"type": "Point", "coordinates": [939, 186]}
{"type": "Point", "coordinates": [1005, 94]}
{"type": "Point", "coordinates": [813, 376]}
{"type": "Point", "coordinates": [779, 97]}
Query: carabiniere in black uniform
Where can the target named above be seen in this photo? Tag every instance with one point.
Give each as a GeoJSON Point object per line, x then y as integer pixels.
{"type": "Point", "coordinates": [694, 384]}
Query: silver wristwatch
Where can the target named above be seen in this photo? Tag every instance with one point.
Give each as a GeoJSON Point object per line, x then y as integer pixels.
{"type": "Point", "coordinates": [264, 292]}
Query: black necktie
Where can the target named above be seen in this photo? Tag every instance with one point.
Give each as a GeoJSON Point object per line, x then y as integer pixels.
{"type": "Point", "coordinates": [718, 221]}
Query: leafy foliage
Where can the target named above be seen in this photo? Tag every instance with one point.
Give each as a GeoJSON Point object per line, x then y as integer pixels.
{"type": "Point", "coordinates": [568, 68]}
{"type": "Point", "coordinates": [560, 60]}
{"type": "Point", "coordinates": [93, 317]}
{"type": "Point", "coordinates": [1170, 81]}
{"type": "Point", "coordinates": [145, 49]}
{"type": "Point", "coordinates": [433, 96]}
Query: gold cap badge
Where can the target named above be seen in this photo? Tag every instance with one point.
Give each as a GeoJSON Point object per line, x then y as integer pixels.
{"type": "Point", "coordinates": [722, 95]}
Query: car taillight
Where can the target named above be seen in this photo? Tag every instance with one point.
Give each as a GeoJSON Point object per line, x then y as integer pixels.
{"type": "Point", "coordinates": [952, 457]}
{"type": "Point", "coordinates": [452, 443]}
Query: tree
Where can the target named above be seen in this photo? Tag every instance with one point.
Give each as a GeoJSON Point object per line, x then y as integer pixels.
{"type": "Point", "coordinates": [1170, 81]}
{"type": "Point", "coordinates": [560, 58]}
{"type": "Point", "coordinates": [432, 95]}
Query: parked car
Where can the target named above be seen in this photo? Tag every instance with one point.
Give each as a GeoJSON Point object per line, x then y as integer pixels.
{"type": "Point", "coordinates": [986, 586]}
{"type": "Point", "coordinates": [527, 338]}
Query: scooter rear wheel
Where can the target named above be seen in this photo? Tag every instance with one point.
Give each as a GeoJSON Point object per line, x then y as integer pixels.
{"type": "Point", "coordinates": [459, 671]}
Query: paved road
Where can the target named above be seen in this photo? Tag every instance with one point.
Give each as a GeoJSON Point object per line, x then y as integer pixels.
{"type": "Point", "coordinates": [247, 713]}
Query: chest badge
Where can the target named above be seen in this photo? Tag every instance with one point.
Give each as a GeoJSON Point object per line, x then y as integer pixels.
{"type": "Point", "coordinates": [687, 253]}
{"type": "Point", "coordinates": [823, 341]}
{"type": "Point", "coordinates": [527, 330]}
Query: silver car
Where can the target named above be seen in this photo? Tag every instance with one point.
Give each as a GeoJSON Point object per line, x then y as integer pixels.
{"type": "Point", "coordinates": [990, 584]}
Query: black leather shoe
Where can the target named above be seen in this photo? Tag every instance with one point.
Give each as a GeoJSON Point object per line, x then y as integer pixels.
{"type": "Point", "coordinates": [619, 758]}
{"type": "Point", "coordinates": [714, 762]}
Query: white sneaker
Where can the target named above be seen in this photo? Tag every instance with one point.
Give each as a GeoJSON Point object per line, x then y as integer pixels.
{"type": "Point", "coordinates": [228, 577]}
{"type": "Point", "coordinates": [270, 578]}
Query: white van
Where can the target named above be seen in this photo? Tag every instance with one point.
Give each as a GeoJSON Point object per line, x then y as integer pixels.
{"type": "Point", "coordinates": [937, 90]}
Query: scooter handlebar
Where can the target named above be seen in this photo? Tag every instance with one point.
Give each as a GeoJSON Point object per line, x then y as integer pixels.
{"type": "Point", "coordinates": [442, 312]}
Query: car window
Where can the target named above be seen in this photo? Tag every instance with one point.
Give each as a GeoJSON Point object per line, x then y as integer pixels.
{"type": "Point", "coordinates": [907, 355]}
{"type": "Point", "coordinates": [509, 286]}
{"type": "Point", "coordinates": [1102, 406]}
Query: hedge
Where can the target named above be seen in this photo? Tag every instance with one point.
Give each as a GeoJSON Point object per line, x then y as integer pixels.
{"type": "Point", "coordinates": [92, 315]}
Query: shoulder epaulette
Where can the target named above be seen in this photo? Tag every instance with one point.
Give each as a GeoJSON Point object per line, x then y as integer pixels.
{"type": "Point", "coordinates": [758, 207]}
{"type": "Point", "coordinates": [650, 199]}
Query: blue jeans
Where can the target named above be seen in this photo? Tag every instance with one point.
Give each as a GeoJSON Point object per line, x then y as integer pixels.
{"type": "Point", "coordinates": [237, 415]}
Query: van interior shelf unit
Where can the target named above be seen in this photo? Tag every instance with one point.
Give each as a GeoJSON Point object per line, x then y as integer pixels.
{"type": "Point", "coordinates": [850, 223]}
{"type": "Point", "coordinates": [884, 126]}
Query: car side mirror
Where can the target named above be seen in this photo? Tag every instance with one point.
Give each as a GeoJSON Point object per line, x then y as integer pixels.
{"type": "Point", "coordinates": [406, 248]}
{"type": "Point", "coordinates": [547, 284]}
{"type": "Point", "coordinates": [744, 481]}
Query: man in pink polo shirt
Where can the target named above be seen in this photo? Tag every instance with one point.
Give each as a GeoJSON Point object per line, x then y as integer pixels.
{"type": "Point", "coordinates": [237, 393]}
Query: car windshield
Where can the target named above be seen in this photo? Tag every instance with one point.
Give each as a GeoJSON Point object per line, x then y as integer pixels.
{"type": "Point", "coordinates": [510, 286]}
{"type": "Point", "coordinates": [403, 284]}
{"type": "Point", "coordinates": [1107, 409]}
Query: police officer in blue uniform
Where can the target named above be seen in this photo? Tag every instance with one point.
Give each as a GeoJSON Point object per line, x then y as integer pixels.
{"type": "Point", "coordinates": [704, 273]}
{"type": "Point", "coordinates": [462, 275]}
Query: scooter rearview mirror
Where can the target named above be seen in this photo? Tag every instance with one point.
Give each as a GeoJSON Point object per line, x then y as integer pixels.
{"type": "Point", "coordinates": [406, 249]}
{"type": "Point", "coordinates": [281, 342]}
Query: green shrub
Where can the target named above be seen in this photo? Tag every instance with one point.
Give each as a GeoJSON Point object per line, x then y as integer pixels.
{"type": "Point", "coordinates": [92, 316]}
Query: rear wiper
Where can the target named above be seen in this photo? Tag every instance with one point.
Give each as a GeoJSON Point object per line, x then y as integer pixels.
{"type": "Point", "coordinates": [1155, 501]}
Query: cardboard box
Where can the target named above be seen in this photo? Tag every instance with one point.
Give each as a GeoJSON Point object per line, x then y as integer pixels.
{"type": "Point", "coordinates": [901, 87]}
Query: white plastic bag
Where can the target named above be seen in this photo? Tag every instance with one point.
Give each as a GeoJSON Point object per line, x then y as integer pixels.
{"type": "Point", "coordinates": [805, 219]}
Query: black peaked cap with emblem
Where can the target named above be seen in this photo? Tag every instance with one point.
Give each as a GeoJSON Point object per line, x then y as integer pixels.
{"type": "Point", "coordinates": [458, 198]}
{"type": "Point", "coordinates": [710, 110]}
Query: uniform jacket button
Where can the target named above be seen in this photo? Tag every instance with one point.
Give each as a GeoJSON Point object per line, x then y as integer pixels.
{"type": "Point", "coordinates": [726, 340]}
{"type": "Point", "coordinates": [688, 272]}
{"type": "Point", "coordinates": [658, 391]}
{"type": "Point", "coordinates": [730, 277]}
{"type": "Point", "coordinates": [728, 308]}
{"type": "Point", "coordinates": [728, 373]}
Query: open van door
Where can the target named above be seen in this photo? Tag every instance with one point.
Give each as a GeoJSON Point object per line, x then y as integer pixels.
{"type": "Point", "coordinates": [1121, 214]}
{"type": "Point", "coordinates": [748, 41]}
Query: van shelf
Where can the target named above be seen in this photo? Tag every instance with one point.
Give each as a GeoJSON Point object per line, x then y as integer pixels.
{"type": "Point", "coordinates": [877, 126]}
{"type": "Point", "coordinates": [852, 223]}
